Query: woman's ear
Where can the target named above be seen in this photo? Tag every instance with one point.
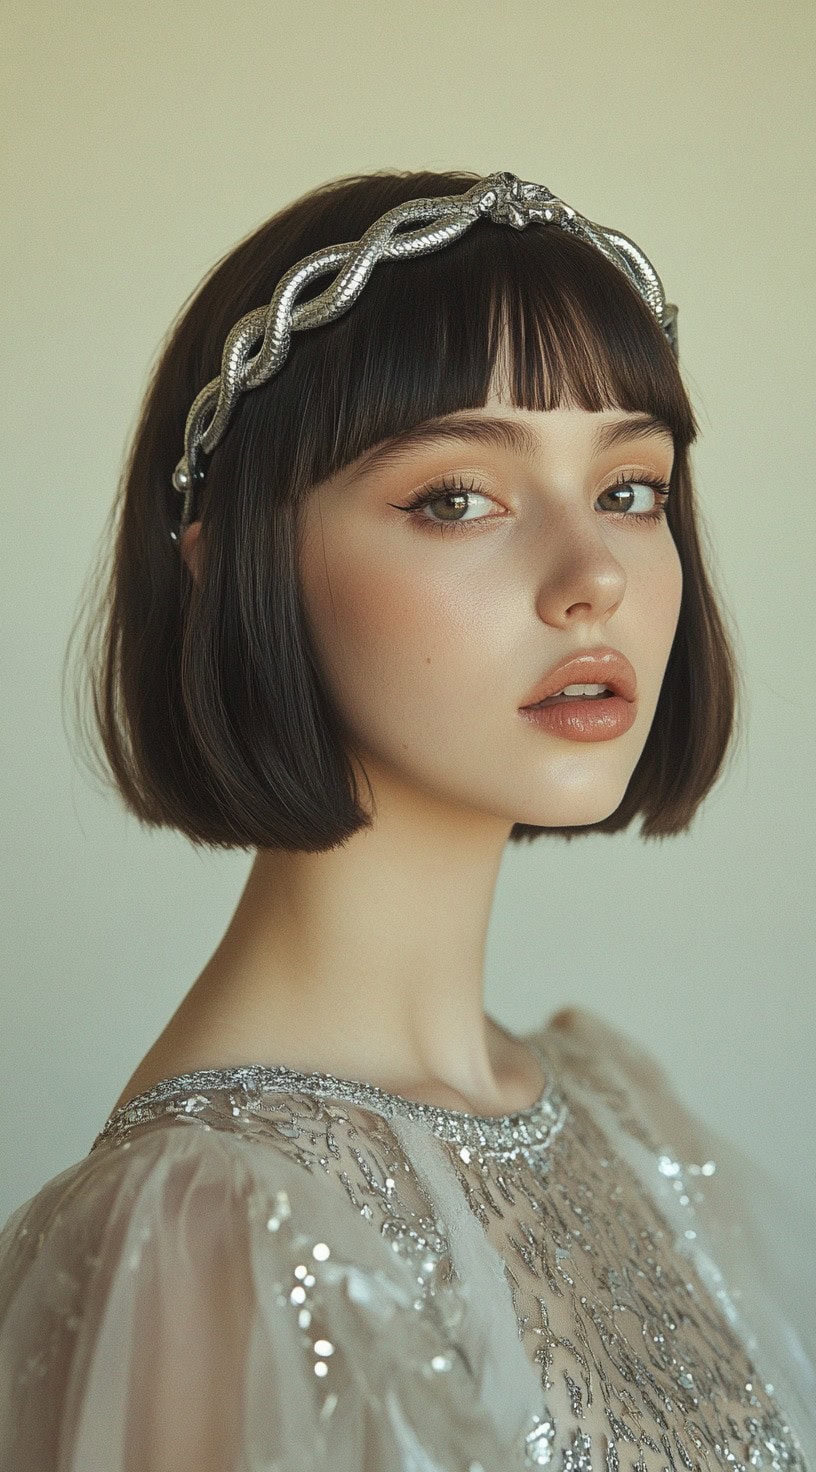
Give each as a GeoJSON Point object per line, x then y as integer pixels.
{"type": "Point", "coordinates": [190, 549]}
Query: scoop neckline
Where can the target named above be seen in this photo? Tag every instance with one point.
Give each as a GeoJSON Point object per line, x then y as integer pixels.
{"type": "Point", "coordinates": [256, 1079]}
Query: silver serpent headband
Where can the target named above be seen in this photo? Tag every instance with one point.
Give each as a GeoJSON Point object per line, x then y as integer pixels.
{"type": "Point", "coordinates": [502, 198]}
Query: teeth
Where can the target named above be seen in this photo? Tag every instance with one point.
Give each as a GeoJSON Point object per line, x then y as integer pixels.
{"type": "Point", "coordinates": [581, 690]}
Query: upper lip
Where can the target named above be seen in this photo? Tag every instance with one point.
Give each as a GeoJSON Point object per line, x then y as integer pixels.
{"type": "Point", "coordinates": [603, 666]}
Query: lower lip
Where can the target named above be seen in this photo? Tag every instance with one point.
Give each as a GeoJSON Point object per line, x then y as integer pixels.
{"type": "Point", "coordinates": [584, 720]}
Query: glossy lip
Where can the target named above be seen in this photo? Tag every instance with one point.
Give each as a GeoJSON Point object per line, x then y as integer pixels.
{"type": "Point", "coordinates": [600, 666]}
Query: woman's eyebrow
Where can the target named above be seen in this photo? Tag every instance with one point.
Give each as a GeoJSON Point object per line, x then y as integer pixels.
{"type": "Point", "coordinates": [497, 433]}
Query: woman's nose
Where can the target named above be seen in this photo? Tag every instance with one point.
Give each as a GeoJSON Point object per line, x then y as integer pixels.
{"type": "Point", "coordinates": [580, 576]}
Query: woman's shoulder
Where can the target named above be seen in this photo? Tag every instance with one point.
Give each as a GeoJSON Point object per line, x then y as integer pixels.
{"type": "Point", "coordinates": [626, 1086]}
{"type": "Point", "coordinates": [587, 1043]}
{"type": "Point", "coordinates": [191, 1159]}
{"type": "Point", "coordinates": [208, 1289]}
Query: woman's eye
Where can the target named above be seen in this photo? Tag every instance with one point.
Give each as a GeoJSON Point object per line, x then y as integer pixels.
{"type": "Point", "coordinates": [633, 497]}
{"type": "Point", "coordinates": [451, 499]}
{"type": "Point", "coordinates": [628, 489]}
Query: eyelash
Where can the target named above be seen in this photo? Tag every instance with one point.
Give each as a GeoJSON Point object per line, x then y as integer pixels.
{"type": "Point", "coordinates": [438, 492]}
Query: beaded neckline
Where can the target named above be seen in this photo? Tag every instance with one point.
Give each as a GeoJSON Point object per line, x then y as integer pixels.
{"type": "Point", "coordinates": [532, 1126]}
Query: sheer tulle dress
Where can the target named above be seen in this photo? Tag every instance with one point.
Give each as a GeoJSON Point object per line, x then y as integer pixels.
{"type": "Point", "coordinates": [270, 1271]}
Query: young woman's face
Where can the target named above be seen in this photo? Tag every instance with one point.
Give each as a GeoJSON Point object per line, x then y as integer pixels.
{"type": "Point", "coordinates": [434, 625]}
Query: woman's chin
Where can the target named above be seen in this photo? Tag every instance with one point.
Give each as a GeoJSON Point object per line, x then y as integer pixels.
{"type": "Point", "coordinates": [571, 810]}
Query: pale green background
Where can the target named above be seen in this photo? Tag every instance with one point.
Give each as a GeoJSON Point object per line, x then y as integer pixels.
{"type": "Point", "coordinates": [142, 140]}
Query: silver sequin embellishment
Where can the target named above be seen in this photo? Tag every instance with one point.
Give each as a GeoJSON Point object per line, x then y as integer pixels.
{"type": "Point", "coordinates": [640, 1370]}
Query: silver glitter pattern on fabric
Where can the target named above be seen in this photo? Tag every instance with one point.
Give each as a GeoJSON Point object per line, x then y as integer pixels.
{"type": "Point", "coordinates": [639, 1368]}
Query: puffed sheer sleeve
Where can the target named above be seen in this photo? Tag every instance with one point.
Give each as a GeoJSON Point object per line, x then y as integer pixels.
{"type": "Point", "coordinates": [750, 1235]}
{"type": "Point", "coordinates": [192, 1298]}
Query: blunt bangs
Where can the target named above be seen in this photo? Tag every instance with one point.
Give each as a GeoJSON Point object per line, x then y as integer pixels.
{"type": "Point", "coordinates": [424, 337]}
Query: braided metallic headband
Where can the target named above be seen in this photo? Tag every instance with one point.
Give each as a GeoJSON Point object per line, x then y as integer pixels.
{"type": "Point", "coordinates": [501, 197]}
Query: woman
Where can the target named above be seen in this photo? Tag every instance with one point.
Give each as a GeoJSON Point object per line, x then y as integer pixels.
{"type": "Point", "coordinates": [339, 1217]}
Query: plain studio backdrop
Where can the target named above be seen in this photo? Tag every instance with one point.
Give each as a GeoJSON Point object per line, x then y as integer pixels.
{"type": "Point", "coordinates": [141, 142]}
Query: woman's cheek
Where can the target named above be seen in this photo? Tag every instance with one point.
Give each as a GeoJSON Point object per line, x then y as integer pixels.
{"type": "Point", "coordinates": [394, 604]}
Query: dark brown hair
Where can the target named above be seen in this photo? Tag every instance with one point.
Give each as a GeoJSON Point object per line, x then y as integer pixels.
{"type": "Point", "coordinates": [207, 694]}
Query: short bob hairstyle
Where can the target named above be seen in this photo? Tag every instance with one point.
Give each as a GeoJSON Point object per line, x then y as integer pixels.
{"type": "Point", "coordinates": [207, 693]}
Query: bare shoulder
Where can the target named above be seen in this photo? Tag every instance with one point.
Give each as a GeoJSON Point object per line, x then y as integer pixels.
{"type": "Point", "coordinates": [148, 1073]}
{"type": "Point", "coordinates": [172, 1055]}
